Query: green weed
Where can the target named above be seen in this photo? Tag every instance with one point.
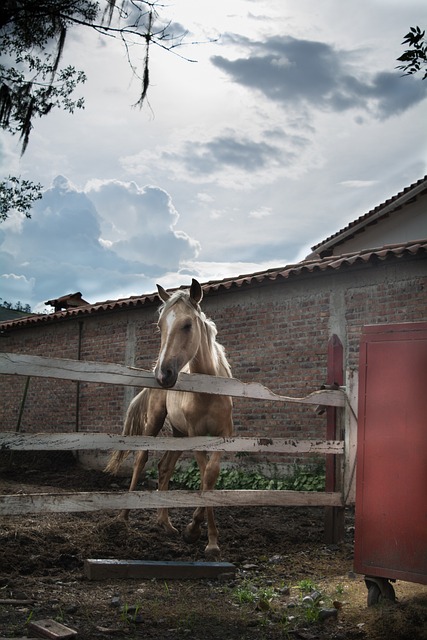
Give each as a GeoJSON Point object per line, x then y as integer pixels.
{"type": "Point", "coordinates": [29, 617]}
{"type": "Point", "coordinates": [311, 613]}
{"type": "Point", "coordinates": [306, 586]}
{"type": "Point", "coordinates": [245, 593]}
{"type": "Point", "coordinates": [130, 612]}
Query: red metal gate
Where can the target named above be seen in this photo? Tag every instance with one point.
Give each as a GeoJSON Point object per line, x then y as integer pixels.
{"type": "Point", "coordinates": [391, 485]}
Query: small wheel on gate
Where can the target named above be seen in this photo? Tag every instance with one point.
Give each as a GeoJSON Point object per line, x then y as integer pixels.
{"type": "Point", "coordinates": [379, 590]}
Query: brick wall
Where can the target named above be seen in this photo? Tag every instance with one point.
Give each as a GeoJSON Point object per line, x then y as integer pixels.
{"type": "Point", "coordinates": [275, 333]}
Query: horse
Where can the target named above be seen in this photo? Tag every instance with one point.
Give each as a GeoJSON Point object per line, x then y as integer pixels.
{"type": "Point", "coordinates": [187, 344]}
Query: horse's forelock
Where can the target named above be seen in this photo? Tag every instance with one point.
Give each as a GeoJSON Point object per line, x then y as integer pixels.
{"type": "Point", "coordinates": [184, 296]}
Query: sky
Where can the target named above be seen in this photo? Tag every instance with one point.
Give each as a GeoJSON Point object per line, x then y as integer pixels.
{"type": "Point", "coordinates": [277, 124]}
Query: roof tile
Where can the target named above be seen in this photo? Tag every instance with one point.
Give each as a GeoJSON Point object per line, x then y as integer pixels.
{"type": "Point", "coordinates": [307, 266]}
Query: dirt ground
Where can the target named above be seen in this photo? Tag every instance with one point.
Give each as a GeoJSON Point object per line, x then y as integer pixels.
{"type": "Point", "coordinates": [279, 554]}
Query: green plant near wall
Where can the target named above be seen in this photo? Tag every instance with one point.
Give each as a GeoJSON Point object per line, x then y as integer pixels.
{"type": "Point", "coordinates": [310, 477]}
{"type": "Point", "coordinates": [307, 479]}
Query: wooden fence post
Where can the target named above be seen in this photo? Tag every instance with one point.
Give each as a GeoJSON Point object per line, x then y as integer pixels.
{"type": "Point", "coordinates": [334, 516]}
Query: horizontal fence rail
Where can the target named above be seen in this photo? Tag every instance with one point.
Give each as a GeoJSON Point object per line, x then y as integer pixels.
{"type": "Point", "coordinates": [107, 373]}
{"type": "Point", "coordinates": [105, 441]}
{"type": "Point", "coordinates": [98, 501]}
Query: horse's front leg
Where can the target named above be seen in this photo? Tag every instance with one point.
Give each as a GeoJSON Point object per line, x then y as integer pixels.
{"type": "Point", "coordinates": [209, 471]}
{"type": "Point", "coordinates": [166, 468]}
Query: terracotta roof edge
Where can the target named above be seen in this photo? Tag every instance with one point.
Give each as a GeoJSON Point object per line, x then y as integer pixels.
{"type": "Point", "coordinates": [320, 264]}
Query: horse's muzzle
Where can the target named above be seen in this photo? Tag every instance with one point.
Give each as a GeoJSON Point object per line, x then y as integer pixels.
{"type": "Point", "coordinates": [166, 377]}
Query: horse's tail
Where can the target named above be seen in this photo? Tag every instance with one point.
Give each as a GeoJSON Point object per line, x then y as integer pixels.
{"type": "Point", "coordinates": [133, 426]}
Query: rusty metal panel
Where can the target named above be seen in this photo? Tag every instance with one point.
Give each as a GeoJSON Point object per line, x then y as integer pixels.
{"type": "Point", "coordinates": [391, 481]}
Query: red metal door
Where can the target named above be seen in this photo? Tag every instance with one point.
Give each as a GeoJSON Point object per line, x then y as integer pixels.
{"type": "Point", "coordinates": [391, 481]}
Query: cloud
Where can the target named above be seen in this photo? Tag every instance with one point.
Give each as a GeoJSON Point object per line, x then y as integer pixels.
{"type": "Point", "coordinates": [296, 72]}
{"type": "Point", "coordinates": [205, 198]}
{"type": "Point", "coordinates": [14, 287]}
{"type": "Point", "coordinates": [358, 184]}
{"type": "Point", "coordinates": [262, 212]}
{"type": "Point", "coordinates": [139, 223]}
{"type": "Point", "coordinates": [228, 151]}
{"type": "Point", "coordinates": [62, 248]}
{"type": "Point", "coordinates": [227, 158]}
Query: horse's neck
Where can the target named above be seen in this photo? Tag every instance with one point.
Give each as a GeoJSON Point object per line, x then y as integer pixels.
{"type": "Point", "coordinates": [206, 359]}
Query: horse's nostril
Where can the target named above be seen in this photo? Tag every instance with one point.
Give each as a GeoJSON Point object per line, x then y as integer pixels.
{"type": "Point", "coordinates": [166, 378]}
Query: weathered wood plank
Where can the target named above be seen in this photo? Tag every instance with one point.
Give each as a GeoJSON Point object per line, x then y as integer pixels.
{"type": "Point", "coordinates": [52, 629]}
{"type": "Point", "coordinates": [350, 441]}
{"type": "Point", "coordinates": [108, 373]}
{"type": "Point", "coordinates": [96, 501]}
{"type": "Point", "coordinates": [100, 569]}
{"type": "Point", "coordinates": [107, 441]}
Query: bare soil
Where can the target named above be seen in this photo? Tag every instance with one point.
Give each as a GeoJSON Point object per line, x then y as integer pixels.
{"type": "Point", "coordinates": [279, 553]}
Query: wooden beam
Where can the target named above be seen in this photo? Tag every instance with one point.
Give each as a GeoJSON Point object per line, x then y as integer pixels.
{"type": "Point", "coordinates": [99, 501]}
{"type": "Point", "coordinates": [148, 569]}
{"type": "Point", "coordinates": [334, 517]}
{"type": "Point", "coordinates": [107, 441]}
{"type": "Point", "coordinates": [52, 629]}
{"type": "Point", "coordinates": [107, 373]}
{"type": "Point", "coordinates": [350, 442]}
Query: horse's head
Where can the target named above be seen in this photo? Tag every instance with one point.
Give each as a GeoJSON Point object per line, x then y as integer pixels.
{"type": "Point", "coordinates": [180, 329]}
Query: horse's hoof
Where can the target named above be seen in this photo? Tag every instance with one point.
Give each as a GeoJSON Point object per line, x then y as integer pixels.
{"type": "Point", "coordinates": [191, 534]}
{"type": "Point", "coordinates": [168, 528]}
{"type": "Point", "coordinates": [213, 553]}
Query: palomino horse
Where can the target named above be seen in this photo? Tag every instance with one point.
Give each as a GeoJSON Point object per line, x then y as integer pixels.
{"type": "Point", "coordinates": [188, 343]}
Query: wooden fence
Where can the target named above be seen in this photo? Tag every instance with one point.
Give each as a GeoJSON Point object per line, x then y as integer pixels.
{"type": "Point", "coordinates": [24, 365]}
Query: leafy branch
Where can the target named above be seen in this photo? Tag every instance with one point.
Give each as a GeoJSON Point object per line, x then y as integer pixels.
{"type": "Point", "coordinates": [415, 58]}
{"type": "Point", "coordinates": [18, 195]}
{"type": "Point", "coordinates": [32, 40]}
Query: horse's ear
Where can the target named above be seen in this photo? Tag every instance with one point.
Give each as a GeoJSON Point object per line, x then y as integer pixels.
{"type": "Point", "coordinates": [164, 295]}
{"type": "Point", "coordinates": [196, 292]}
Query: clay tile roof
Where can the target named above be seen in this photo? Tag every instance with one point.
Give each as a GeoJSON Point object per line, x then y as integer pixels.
{"type": "Point", "coordinates": [381, 210]}
{"type": "Point", "coordinates": [306, 267]}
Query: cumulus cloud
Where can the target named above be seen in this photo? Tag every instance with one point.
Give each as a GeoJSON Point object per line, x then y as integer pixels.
{"type": "Point", "coordinates": [112, 237]}
{"type": "Point", "coordinates": [296, 72]}
{"type": "Point", "coordinates": [139, 223]}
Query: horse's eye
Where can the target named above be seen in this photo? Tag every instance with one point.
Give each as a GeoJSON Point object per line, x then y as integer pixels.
{"type": "Point", "coordinates": [187, 327]}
